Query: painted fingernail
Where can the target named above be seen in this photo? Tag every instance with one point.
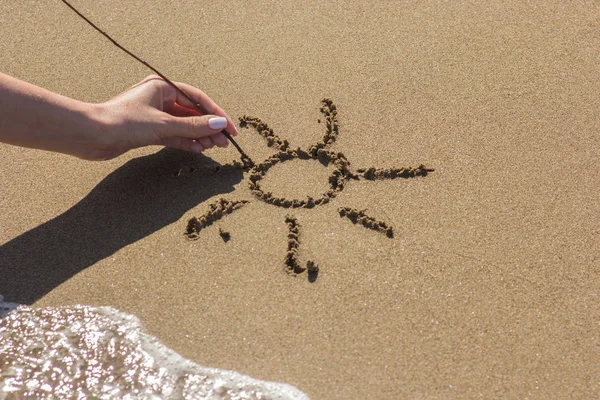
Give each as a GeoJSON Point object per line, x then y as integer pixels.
{"type": "Point", "coordinates": [217, 123]}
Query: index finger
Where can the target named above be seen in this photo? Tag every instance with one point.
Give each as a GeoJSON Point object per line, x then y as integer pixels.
{"type": "Point", "coordinates": [205, 103]}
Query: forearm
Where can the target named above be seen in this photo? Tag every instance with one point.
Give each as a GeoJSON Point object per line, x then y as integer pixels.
{"type": "Point", "coordinates": [34, 117]}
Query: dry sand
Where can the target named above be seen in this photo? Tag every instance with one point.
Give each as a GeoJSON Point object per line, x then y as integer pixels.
{"type": "Point", "coordinates": [490, 287]}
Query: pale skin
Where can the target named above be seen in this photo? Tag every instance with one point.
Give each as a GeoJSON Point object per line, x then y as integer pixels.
{"type": "Point", "coordinates": [149, 113]}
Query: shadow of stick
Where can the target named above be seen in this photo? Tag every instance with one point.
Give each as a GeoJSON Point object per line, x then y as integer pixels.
{"type": "Point", "coordinates": [131, 203]}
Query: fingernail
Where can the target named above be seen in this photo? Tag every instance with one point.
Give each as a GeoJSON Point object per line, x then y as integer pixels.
{"type": "Point", "coordinates": [217, 123]}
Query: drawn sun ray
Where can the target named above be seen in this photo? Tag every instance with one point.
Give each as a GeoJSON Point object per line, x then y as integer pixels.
{"type": "Point", "coordinates": [217, 210]}
{"type": "Point", "coordinates": [291, 257]}
{"type": "Point", "coordinates": [360, 217]}
{"type": "Point", "coordinates": [341, 175]}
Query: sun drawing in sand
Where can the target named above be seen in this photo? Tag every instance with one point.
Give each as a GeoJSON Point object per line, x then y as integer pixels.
{"type": "Point", "coordinates": [342, 174]}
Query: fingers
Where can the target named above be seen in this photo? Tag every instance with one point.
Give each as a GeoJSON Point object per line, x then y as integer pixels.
{"type": "Point", "coordinates": [196, 146]}
{"type": "Point", "coordinates": [220, 140]}
{"type": "Point", "coordinates": [184, 144]}
{"type": "Point", "coordinates": [205, 142]}
{"type": "Point", "coordinates": [178, 111]}
{"type": "Point", "coordinates": [209, 142]}
{"type": "Point", "coordinates": [207, 105]}
{"type": "Point", "coordinates": [193, 127]}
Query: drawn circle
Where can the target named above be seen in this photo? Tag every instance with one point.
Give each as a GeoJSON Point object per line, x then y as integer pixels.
{"type": "Point", "coordinates": [336, 180]}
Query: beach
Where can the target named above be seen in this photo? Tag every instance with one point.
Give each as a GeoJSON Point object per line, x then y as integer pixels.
{"type": "Point", "coordinates": [489, 286]}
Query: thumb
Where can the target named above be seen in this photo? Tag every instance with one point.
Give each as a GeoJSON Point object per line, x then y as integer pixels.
{"type": "Point", "coordinates": [195, 126]}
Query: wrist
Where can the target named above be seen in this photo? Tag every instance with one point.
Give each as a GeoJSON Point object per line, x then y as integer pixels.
{"type": "Point", "coordinates": [78, 132]}
{"type": "Point", "coordinates": [98, 139]}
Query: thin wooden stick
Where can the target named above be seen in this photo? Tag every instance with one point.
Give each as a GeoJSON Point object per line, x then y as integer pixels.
{"type": "Point", "coordinates": [245, 157]}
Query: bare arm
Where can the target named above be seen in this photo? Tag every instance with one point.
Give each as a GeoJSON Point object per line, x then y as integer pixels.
{"type": "Point", "coordinates": [149, 113]}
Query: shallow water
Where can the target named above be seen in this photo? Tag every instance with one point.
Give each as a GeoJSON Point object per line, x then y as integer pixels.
{"type": "Point", "coordinates": [100, 352]}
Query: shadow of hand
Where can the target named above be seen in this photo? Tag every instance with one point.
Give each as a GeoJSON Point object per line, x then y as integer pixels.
{"type": "Point", "coordinates": [131, 203]}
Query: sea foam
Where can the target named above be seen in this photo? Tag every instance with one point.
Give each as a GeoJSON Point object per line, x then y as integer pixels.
{"type": "Point", "coordinates": [6, 307]}
{"type": "Point", "coordinates": [100, 352]}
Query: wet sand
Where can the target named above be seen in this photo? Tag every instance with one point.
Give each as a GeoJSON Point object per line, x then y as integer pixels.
{"type": "Point", "coordinates": [489, 285]}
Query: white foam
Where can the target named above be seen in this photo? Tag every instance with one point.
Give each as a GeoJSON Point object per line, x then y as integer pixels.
{"type": "Point", "coordinates": [88, 352]}
{"type": "Point", "coordinates": [6, 307]}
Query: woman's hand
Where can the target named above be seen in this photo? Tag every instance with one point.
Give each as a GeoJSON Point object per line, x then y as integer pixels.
{"type": "Point", "coordinates": [154, 113]}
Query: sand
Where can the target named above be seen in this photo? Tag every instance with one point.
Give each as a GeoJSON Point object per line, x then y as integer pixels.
{"type": "Point", "coordinates": [490, 285]}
